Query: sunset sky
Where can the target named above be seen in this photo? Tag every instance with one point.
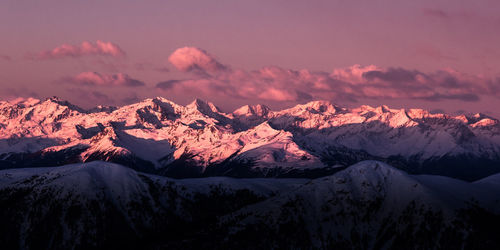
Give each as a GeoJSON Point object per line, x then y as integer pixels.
{"type": "Point", "coordinates": [441, 55]}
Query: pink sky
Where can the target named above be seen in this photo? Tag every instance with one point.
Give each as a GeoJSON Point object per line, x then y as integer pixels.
{"type": "Point", "coordinates": [437, 55]}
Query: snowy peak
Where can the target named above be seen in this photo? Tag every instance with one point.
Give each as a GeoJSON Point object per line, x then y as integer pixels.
{"type": "Point", "coordinates": [61, 102]}
{"type": "Point", "coordinates": [383, 109]}
{"type": "Point", "coordinates": [374, 170]}
{"type": "Point", "coordinates": [24, 102]}
{"type": "Point", "coordinates": [106, 143]}
{"type": "Point", "coordinates": [371, 178]}
{"type": "Point", "coordinates": [314, 107]}
{"type": "Point", "coordinates": [421, 114]}
{"type": "Point", "coordinates": [263, 130]}
{"type": "Point", "coordinates": [258, 110]}
{"type": "Point", "coordinates": [203, 107]}
{"type": "Point", "coordinates": [252, 115]}
{"type": "Point", "coordinates": [378, 110]}
{"type": "Point", "coordinates": [199, 110]}
{"type": "Point", "coordinates": [107, 134]}
{"type": "Point", "coordinates": [480, 120]}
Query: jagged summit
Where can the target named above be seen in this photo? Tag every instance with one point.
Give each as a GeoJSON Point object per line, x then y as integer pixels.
{"type": "Point", "coordinates": [315, 107]}
{"type": "Point", "coordinates": [258, 110]}
{"type": "Point", "coordinates": [203, 106]}
{"type": "Point", "coordinates": [59, 101]}
{"type": "Point", "coordinates": [25, 102]}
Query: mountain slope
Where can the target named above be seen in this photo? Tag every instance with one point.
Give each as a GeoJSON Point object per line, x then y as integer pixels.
{"type": "Point", "coordinates": [102, 205]}
{"type": "Point", "coordinates": [369, 205]}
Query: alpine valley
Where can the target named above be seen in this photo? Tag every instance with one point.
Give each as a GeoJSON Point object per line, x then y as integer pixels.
{"type": "Point", "coordinates": [155, 175]}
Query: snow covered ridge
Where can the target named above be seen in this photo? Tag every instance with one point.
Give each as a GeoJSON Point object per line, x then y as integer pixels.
{"type": "Point", "coordinates": [369, 205]}
{"type": "Point", "coordinates": [308, 140]}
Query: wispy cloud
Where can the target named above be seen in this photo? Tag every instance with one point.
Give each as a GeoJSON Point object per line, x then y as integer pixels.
{"type": "Point", "coordinates": [434, 53]}
{"type": "Point", "coordinates": [97, 79]}
{"type": "Point", "coordinates": [91, 96]}
{"type": "Point", "coordinates": [347, 84]}
{"type": "Point", "coordinates": [145, 66]}
{"type": "Point", "coordinates": [12, 93]}
{"type": "Point", "coordinates": [86, 48]}
{"type": "Point", "coordinates": [5, 58]}
{"type": "Point", "coordinates": [456, 15]}
{"type": "Point", "coordinates": [433, 12]}
{"type": "Point", "coordinates": [166, 85]}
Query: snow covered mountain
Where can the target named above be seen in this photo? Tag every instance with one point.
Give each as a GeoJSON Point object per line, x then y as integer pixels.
{"type": "Point", "coordinates": [369, 205]}
{"type": "Point", "coordinates": [308, 140]}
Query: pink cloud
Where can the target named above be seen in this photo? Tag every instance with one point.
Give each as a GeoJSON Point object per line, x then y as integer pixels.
{"type": "Point", "coordinates": [439, 13]}
{"type": "Point", "coordinates": [194, 59]}
{"type": "Point", "coordinates": [91, 96]}
{"type": "Point", "coordinates": [456, 15]}
{"type": "Point", "coordinates": [96, 79]}
{"type": "Point", "coordinates": [434, 53]}
{"type": "Point", "coordinates": [84, 49]}
{"type": "Point", "coordinates": [13, 93]}
{"type": "Point", "coordinates": [5, 58]}
{"type": "Point", "coordinates": [342, 84]}
{"type": "Point", "coordinates": [144, 66]}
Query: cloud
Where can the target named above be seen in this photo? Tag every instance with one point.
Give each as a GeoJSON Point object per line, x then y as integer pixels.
{"type": "Point", "coordinates": [190, 59]}
{"type": "Point", "coordinates": [131, 98]}
{"type": "Point", "coordinates": [436, 13]}
{"type": "Point", "coordinates": [437, 111]}
{"type": "Point", "coordinates": [96, 79]}
{"type": "Point", "coordinates": [162, 69]}
{"type": "Point", "coordinates": [144, 66]}
{"type": "Point", "coordinates": [93, 96]}
{"type": "Point", "coordinates": [13, 93]}
{"type": "Point", "coordinates": [84, 49]}
{"type": "Point", "coordinates": [434, 53]}
{"type": "Point", "coordinates": [459, 15]}
{"type": "Point", "coordinates": [349, 84]}
{"type": "Point", "coordinates": [5, 58]}
{"type": "Point", "coordinates": [277, 84]}
{"type": "Point", "coordinates": [393, 75]}
{"type": "Point", "coordinates": [165, 85]}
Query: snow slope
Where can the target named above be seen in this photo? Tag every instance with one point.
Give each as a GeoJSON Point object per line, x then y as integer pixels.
{"type": "Point", "coordinates": [369, 205]}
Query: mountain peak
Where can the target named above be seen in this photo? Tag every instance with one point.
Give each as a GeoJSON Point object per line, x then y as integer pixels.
{"type": "Point", "coordinates": [383, 109]}
{"type": "Point", "coordinates": [107, 133]}
{"type": "Point", "coordinates": [54, 99]}
{"type": "Point", "coordinates": [317, 107]}
{"type": "Point", "coordinates": [25, 102]}
{"type": "Point", "coordinates": [252, 110]}
{"type": "Point", "coordinates": [477, 119]}
{"type": "Point", "coordinates": [162, 99]}
{"type": "Point", "coordinates": [376, 173]}
{"type": "Point", "coordinates": [59, 101]}
{"type": "Point", "coordinates": [203, 106]}
{"type": "Point", "coordinates": [373, 166]}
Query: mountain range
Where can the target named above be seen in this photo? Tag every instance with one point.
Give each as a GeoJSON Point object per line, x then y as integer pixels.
{"type": "Point", "coordinates": [310, 140]}
{"type": "Point", "coordinates": [314, 176]}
